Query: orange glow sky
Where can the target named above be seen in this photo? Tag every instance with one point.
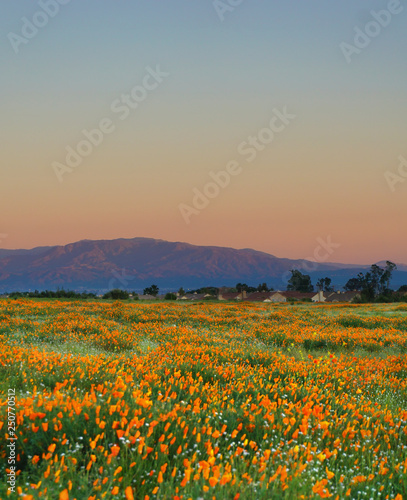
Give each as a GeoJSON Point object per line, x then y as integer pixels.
{"type": "Point", "coordinates": [323, 175]}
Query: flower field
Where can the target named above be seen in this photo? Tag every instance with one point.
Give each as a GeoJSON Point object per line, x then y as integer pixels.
{"type": "Point", "coordinates": [204, 400]}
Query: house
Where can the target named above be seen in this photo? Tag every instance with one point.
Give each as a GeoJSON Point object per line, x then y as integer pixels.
{"type": "Point", "coordinates": [195, 296]}
{"type": "Point", "coordinates": [278, 297]}
{"type": "Point", "coordinates": [293, 295]}
{"type": "Point", "coordinates": [320, 296]}
{"type": "Point", "coordinates": [259, 297]}
{"type": "Point", "coordinates": [146, 297]}
{"type": "Point", "coordinates": [232, 295]}
{"type": "Point", "coordinates": [341, 296]}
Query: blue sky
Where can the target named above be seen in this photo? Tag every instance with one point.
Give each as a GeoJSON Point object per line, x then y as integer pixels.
{"type": "Point", "coordinates": [224, 80]}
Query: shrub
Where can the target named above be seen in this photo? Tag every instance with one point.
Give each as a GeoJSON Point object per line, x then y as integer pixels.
{"type": "Point", "coordinates": [116, 294]}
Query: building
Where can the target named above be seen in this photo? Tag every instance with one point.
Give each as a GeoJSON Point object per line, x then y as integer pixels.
{"type": "Point", "coordinates": [195, 296]}
{"type": "Point", "coordinates": [341, 296]}
{"type": "Point", "coordinates": [259, 297]}
{"type": "Point", "coordinates": [232, 295]}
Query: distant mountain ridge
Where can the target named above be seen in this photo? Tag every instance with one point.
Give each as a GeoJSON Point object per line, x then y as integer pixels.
{"type": "Point", "coordinates": [99, 265]}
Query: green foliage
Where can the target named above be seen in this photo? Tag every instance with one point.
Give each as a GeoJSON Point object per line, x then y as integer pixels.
{"type": "Point", "coordinates": [375, 282]}
{"type": "Point", "coordinates": [151, 290]}
{"type": "Point", "coordinates": [213, 375]}
{"type": "Point", "coordinates": [324, 284]}
{"type": "Point", "coordinates": [242, 287]}
{"type": "Point", "coordinates": [299, 282]}
{"type": "Point", "coordinates": [264, 288]}
{"type": "Point", "coordinates": [116, 294]}
{"type": "Point", "coordinates": [49, 294]}
{"type": "Point", "coordinates": [353, 284]}
{"type": "Point", "coordinates": [211, 290]}
{"type": "Point", "coordinates": [170, 296]}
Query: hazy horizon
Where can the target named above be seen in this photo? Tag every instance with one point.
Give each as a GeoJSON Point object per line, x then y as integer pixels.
{"type": "Point", "coordinates": [310, 132]}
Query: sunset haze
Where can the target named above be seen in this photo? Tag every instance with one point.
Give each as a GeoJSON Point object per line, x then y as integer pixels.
{"type": "Point", "coordinates": [220, 78]}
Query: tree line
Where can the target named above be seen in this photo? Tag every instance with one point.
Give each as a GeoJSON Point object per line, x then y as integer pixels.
{"type": "Point", "coordinates": [49, 294]}
{"type": "Point", "coordinates": [373, 285]}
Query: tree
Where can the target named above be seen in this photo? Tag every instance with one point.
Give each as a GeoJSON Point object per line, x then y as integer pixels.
{"type": "Point", "coordinates": [116, 294]}
{"type": "Point", "coordinates": [181, 292]}
{"type": "Point", "coordinates": [388, 272]}
{"type": "Point", "coordinates": [170, 296]}
{"type": "Point", "coordinates": [211, 290]}
{"type": "Point", "coordinates": [402, 289]}
{"type": "Point", "coordinates": [60, 294]}
{"type": "Point", "coordinates": [299, 282]}
{"type": "Point", "coordinates": [324, 284]}
{"type": "Point", "coordinates": [263, 288]}
{"type": "Point", "coordinates": [377, 280]}
{"type": "Point", "coordinates": [354, 284]}
{"type": "Point", "coordinates": [374, 282]}
{"type": "Point", "coordinates": [242, 287]}
{"type": "Point", "coordinates": [151, 290]}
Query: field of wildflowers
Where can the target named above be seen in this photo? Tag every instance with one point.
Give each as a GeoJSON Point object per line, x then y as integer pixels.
{"type": "Point", "coordinates": [204, 400]}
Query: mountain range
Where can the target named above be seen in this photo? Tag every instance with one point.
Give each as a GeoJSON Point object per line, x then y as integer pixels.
{"type": "Point", "coordinates": [138, 262]}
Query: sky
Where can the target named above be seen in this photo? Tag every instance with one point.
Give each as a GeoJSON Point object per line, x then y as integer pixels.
{"type": "Point", "coordinates": [246, 124]}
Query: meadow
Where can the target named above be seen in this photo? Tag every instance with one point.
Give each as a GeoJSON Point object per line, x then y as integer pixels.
{"type": "Point", "coordinates": [204, 400]}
